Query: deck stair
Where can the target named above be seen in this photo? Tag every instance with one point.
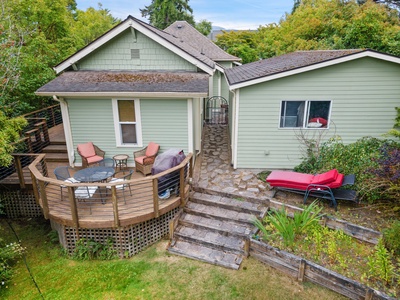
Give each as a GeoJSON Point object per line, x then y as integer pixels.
{"type": "Point", "coordinates": [56, 152]}
{"type": "Point", "coordinates": [214, 229]}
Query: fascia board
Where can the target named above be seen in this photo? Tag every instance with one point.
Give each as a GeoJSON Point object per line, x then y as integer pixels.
{"type": "Point", "coordinates": [99, 95]}
{"type": "Point", "coordinates": [317, 66]}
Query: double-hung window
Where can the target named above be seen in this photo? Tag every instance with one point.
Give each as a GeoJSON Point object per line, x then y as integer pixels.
{"type": "Point", "coordinates": [127, 122]}
{"type": "Point", "coordinates": [305, 114]}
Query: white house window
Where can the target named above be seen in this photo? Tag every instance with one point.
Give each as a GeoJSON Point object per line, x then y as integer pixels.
{"type": "Point", "coordinates": [305, 114]}
{"type": "Point", "coordinates": [127, 122]}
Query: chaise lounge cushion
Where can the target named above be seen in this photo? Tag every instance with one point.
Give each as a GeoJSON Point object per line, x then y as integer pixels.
{"type": "Point", "coordinates": [300, 181]}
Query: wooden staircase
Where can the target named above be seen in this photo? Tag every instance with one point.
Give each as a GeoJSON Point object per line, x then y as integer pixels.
{"type": "Point", "coordinates": [56, 152]}
{"type": "Point", "coordinates": [215, 229]}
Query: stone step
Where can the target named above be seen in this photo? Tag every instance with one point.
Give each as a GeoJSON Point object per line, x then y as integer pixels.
{"type": "Point", "coordinates": [54, 148]}
{"type": "Point", "coordinates": [219, 213]}
{"type": "Point", "coordinates": [228, 203]}
{"type": "Point", "coordinates": [206, 254]}
{"type": "Point", "coordinates": [222, 226]}
{"type": "Point", "coordinates": [210, 239]}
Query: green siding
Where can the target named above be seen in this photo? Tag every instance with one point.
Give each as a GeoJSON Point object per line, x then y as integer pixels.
{"type": "Point", "coordinates": [363, 92]}
{"type": "Point", "coordinates": [116, 55]}
{"type": "Point", "coordinates": [163, 121]}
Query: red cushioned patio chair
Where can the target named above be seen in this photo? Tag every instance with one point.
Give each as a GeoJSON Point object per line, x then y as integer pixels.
{"type": "Point", "coordinates": [144, 159]}
{"type": "Point", "coordinates": [90, 154]}
{"type": "Point", "coordinates": [326, 185]}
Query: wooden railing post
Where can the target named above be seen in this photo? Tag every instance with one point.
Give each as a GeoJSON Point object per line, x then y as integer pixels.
{"type": "Point", "coordinates": [155, 198]}
{"type": "Point", "coordinates": [44, 199]}
{"type": "Point", "coordinates": [182, 185]}
{"type": "Point", "coordinates": [35, 188]}
{"type": "Point", "coordinates": [115, 205]}
{"type": "Point", "coordinates": [74, 209]}
{"type": "Point", "coordinates": [20, 173]}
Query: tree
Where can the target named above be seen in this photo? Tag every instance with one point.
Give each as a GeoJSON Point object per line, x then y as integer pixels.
{"type": "Point", "coordinates": [204, 27]}
{"type": "Point", "coordinates": [10, 129]}
{"type": "Point", "coordinates": [325, 24]}
{"type": "Point", "coordinates": [162, 13]}
{"type": "Point", "coordinates": [90, 24]}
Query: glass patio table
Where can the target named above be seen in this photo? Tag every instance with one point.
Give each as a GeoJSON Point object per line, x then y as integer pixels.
{"type": "Point", "coordinates": [94, 174]}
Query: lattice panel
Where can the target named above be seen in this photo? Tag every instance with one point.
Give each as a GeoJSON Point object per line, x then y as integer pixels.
{"type": "Point", "coordinates": [18, 204]}
{"type": "Point", "coordinates": [126, 240]}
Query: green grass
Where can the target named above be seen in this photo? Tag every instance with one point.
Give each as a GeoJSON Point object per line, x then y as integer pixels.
{"type": "Point", "coordinates": [152, 274]}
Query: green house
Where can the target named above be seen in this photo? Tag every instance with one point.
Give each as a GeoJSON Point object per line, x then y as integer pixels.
{"type": "Point", "coordinates": [309, 94]}
{"type": "Point", "coordinates": [136, 84]}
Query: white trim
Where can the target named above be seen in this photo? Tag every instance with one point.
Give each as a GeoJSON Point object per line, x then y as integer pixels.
{"type": "Point", "coordinates": [67, 130]}
{"type": "Point", "coordinates": [130, 23]}
{"type": "Point", "coordinates": [190, 125]}
{"type": "Point", "coordinates": [236, 126]}
{"type": "Point", "coordinates": [99, 95]}
{"type": "Point", "coordinates": [219, 84]}
{"type": "Point", "coordinates": [210, 86]}
{"type": "Point", "coordinates": [316, 66]}
{"type": "Point", "coordinates": [117, 129]}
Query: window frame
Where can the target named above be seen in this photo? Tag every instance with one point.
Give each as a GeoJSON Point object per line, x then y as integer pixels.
{"type": "Point", "coordinates": [118, 123]}
{"type": "Point", "coordinates": [306, 114]}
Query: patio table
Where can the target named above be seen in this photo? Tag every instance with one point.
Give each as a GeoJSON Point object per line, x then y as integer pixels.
{"type": "Point", "coordinates": [94, 174]}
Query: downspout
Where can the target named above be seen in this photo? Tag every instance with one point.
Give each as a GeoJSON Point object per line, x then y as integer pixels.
{"type": "Point", "coordinates": [235, 126]}
{"type": "Point", "coordinates": [67, 129]}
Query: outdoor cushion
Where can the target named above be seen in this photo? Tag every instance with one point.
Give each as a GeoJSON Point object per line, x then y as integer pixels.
{"type": "Point", "coordinates": [326, 177]}
{"type": "Point", "coordinates": [94, 159]}
{"type": "Point", "coordinates": [140, 159]}
{"type": "Point", "coordinates": [152, 149]}
{"type": "Point", "coordinates": [87, 149]}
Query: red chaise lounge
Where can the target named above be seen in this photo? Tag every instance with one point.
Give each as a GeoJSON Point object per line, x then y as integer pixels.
{"type": "Point", "coordinates": [325, 185]}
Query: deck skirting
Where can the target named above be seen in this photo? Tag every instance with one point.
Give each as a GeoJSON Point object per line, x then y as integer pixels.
{"type": "Point", "coordinates": [20, 204]}
{"type": "Point", "coordinates": [128, 240]}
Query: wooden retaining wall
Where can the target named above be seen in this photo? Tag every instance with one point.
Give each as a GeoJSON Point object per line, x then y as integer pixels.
{"type": "Point", "coordinates": [304, 270]}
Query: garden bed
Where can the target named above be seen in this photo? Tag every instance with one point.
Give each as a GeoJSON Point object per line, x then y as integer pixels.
{"type": "Point", "coordinates": [320, 253]}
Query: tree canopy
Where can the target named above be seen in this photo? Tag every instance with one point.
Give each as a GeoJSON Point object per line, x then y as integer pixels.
{"type": "Point", "coordinates": [34, 37]}
{"type": "Point", "coordinates": [320, 24]}
{"type": "Point", "coordinates": [162, 13]}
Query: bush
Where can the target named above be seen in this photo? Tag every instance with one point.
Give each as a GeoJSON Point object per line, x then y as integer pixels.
{"type": "Point", "coordinates": [8, 256]}
{"type": "Point", "coordinates": [391, 238]}
{"type": "Point", "coordinates": [375, 162]}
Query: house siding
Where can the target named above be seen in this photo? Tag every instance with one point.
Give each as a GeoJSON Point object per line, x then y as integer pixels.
{"type": "Point", "coordinates": [116, 55]}
{"type": "Point", "coordinates": [163, 121]}
{"type": "Point", "coordinates": [363, 92]}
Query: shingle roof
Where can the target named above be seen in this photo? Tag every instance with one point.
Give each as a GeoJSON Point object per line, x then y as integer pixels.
{"type": "Point", "coordinates": [127, 81]}
{"type": "Point", "coordinates": [178, 42]}
{"type": "Point", "coordinates": [189, 35]}
{"type": "Point", "coordinates": [283, 63]}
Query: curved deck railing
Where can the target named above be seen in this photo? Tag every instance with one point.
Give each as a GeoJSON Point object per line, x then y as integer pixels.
{"type": "Point", "coordinates": [110, 206]}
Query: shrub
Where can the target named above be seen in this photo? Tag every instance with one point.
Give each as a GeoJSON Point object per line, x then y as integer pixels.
{"type": "Point", "coordinates": [88, 249]}
{"type": "Point", "coordinates": [8, 256]}
{"type": "Point", "coordinates": [372, 160]}
{"type": "Point", "coordinates": [391, 238]}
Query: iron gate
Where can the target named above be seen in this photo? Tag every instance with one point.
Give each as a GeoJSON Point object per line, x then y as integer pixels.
{"type": "Point", "coordinates": [216, 110]}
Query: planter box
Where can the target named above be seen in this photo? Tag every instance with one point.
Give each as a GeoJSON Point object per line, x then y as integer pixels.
{"type": "Point", "coordinates": [303, 270]}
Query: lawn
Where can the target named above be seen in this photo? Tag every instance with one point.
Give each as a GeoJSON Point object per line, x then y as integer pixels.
{"type": "Point", "coordinates": [152, 274]}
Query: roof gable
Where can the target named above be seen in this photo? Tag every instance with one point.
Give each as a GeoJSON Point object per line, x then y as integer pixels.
{"type": "Point", "coordinates": [189, 35]}
{"type": "Point", "coordinates": [295, 63]}
{"type": "Point", "coordinates": [172, 43]}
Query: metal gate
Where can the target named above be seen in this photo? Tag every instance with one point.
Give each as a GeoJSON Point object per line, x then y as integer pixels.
{"type": "Point", "coordinates": [216, 110]}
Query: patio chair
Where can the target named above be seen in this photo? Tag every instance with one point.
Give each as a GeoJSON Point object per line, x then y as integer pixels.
{"type": "Point", "coordinates": [84, 193]}
{"type": "Point", "coordinates": [123, 180]}
{"type": "Point", "coordinates": [326, 185]}
{"type": "Point", "coordinates": [62, 173]}
{"type": "Point", "coordinates": [144, 159]}
{"type": "Point", "coordinates": [90, 154]}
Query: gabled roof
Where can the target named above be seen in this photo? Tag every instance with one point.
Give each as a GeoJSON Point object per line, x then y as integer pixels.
{"type": "Point", "coordinates": [174, 44]}
{"type": "Point", "coordinates": [126, 83]}
{"type": "Point", "coordinates": [295, 63]}
{"type": "Point", "coordinates": [191, 36]}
